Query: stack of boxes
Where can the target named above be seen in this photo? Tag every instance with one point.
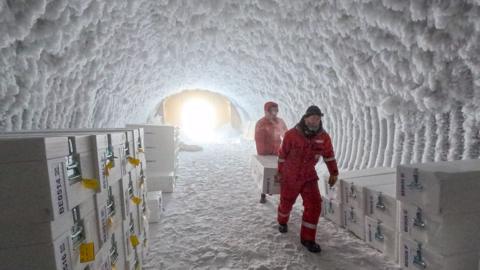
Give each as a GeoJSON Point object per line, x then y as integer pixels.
{"type": "Point", "coordinates": [440, 215]}
{"type": "Point", "coordinates": [422, 216]}
{"type": "Point", "coordinates": [381, 218]}
{"type": "Point", "coordinates": [163, 146]}
{"type": "Point", "coordinates": [73, 200]}
{"type": "Point", "coordinates": [344, 203]}
{"type": "Point", "coordinates": [354, 198]}
{"type": "Point", "coordinates": [161, 152]}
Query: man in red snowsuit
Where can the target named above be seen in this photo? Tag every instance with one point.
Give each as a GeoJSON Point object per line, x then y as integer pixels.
{"type": "Point", "coordinates": [269, 132]}
{"type": "Point", "coordinates": [300, 151]}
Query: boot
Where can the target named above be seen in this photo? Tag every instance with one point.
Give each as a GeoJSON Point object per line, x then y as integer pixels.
{"type": "Point", "coordinates": [263, 198]}
{"type": "Point", "coordinates": [283, 228]}
{"type": "Point", "coordinates": [311, 246]}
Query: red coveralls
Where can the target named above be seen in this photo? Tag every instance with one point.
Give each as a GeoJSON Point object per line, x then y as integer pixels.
{"type": "Point", "coordinates": [268, 133]}
{"type": "Point", "coordinates": [297, 158]}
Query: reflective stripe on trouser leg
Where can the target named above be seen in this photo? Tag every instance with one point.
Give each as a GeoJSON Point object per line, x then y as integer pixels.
{"type": "Point", "coordinates": [284, 211]}
{"type": "Point", "coordinates": [288, 195]}
{"type": "Point", "coordinates": [312, 204]}
{"type": "Point", "coordinates": [308, 231]}
{"type": "Point", "coordinates": [309, 225]}
{"type": "Point", "coordinates": [282, 218]}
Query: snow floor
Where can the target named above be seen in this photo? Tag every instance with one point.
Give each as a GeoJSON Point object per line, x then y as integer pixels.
{"type": "Point", "coordinates": [214, 221]}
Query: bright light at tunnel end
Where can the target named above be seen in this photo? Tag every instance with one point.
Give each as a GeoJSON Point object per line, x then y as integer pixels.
{"type": "Point", "coordinates": [198, 121]}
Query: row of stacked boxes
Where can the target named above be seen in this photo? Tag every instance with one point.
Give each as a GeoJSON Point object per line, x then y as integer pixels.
{"type": "Point", "coordinates": [422, 216]}
{"type": "Point", "coordinates": [74, 199]}
{"type": "Point", "coordinates": [161, 152]}
{"type": "Point", "coordinates": [163, 146]}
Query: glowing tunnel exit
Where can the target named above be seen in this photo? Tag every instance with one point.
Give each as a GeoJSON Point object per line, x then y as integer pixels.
{"type": "Point", "coordinates": [199, 120]}
{"type": "Point", "coordinates": [203, 116]}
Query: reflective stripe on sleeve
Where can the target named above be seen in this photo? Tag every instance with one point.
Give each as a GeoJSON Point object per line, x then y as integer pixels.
{"type": "Point", "coordinates": [329, 159]}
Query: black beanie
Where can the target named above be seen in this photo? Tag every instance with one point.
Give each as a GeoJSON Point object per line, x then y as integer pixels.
{"type": "Point", "coordinates": [313, 110]}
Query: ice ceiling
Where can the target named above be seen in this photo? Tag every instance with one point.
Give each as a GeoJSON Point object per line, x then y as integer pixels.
{"type": "Point", "coordinates": [399, 81]}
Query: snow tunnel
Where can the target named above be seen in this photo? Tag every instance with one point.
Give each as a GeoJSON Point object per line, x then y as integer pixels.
{"type": "Point", "coordinates": [398, 83]}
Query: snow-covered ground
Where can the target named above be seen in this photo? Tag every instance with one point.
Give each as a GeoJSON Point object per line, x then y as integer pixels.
{"type": "Point", "coordinates": [214, 221]}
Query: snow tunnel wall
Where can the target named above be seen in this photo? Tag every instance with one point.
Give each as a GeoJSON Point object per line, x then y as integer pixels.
{"type": "Point", "coordinates": [398, 80]}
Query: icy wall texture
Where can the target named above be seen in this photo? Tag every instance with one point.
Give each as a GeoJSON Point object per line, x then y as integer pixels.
{"type": "Point", "coordinates": [399, 80]}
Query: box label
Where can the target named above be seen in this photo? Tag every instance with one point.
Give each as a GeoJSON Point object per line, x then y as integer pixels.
{"type": "Point", "coordinates": [405, 255]}
{"type": "Point", "coordinates": [371, 204]}
{"type": "Point", "coordinates": [102, 157]}
{"type": "Point", "coordinates": [60, 194]}
{"type": "Point", "coordinates": [136, 200]}
{"type": "Point", "coordinates": [370, 233]}
{"type": "Point", "coordinates": [104, 223]}
{"type": "Point", "coordinates": [63, 260]}
{"type": "Point", "coordinates": [402, 184]}
{"type": "Point", "coordinates": [134, 240]}
{"type": "Point", "coordinates": [87, 252]}
{"type": "Point", "coordinates": [90, 183]}
{"type": "Point", "coordinates": [405, 220]}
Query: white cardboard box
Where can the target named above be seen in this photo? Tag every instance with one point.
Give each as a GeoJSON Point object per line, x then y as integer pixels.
{"type": "Point", "coordinates": [441, 187]}
{"type": "Point", "coordinates": [381, 204]}
{"type": "Point", "coordinates": [333, 211]}
{"type": "Point", "coordinates": [145, 248]}
{"type": "Point", "coordinates": [135, 261]}
{"type": "Point", "coordinates": [116, 155]}
{"type": "Point", "coordinates": [117, 248]}
{"type": "Point", "coordinates": [413, 255]}
{"type": "Point", "coordinates": [354, 221]}
{"type": "Point", "coordinates": [165, 183]}
{"type": "Point", "coordinates": [143, 207]}
{"type": "Point", "coordinates": [142, 215]}
{"type": "Point", "coordinates": [445, 235]}
{"type": "Point", "coordinates": [50, 195]}
{"type": "Point", "coordinates": [366, 172]}
{"type": "Point", "coordinates": [381, 237]}
{"type": "Point", "coordinates": [155, 206]}
{"type": "Point", "coordinates": [60, 253]}
{"type": "Point", "coordinates": [138, 135]}
{"type": "Point", "coordinates": [354, 189]}
{"type": "Point", "coordinates": [45, 183]}
{"type": "Point", "coordinates": [32, 148]}
{"type": "Point", "coordinates": [161, 147]}
{"type": "Point", "coordinates": [108, 206]}
{"type": "Point", "coordinates": [56, 255]}
{"type": "Point", "coordinates": [133, 255]}
{"type": "Point", "coordinates": [90, 230]}
{"type": "Point", "coordinates": [130, 189]}
{"type": "Point", "coordinates": [264, 169]}
{"type": "Point", "coordinates": [17, 233]}
{"type": "Point", "coordinates": [336, 191]}
{"type": "Point", "coordinates": [102, 260]}
{"type": "Point", "coordinates": [126, 236]}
